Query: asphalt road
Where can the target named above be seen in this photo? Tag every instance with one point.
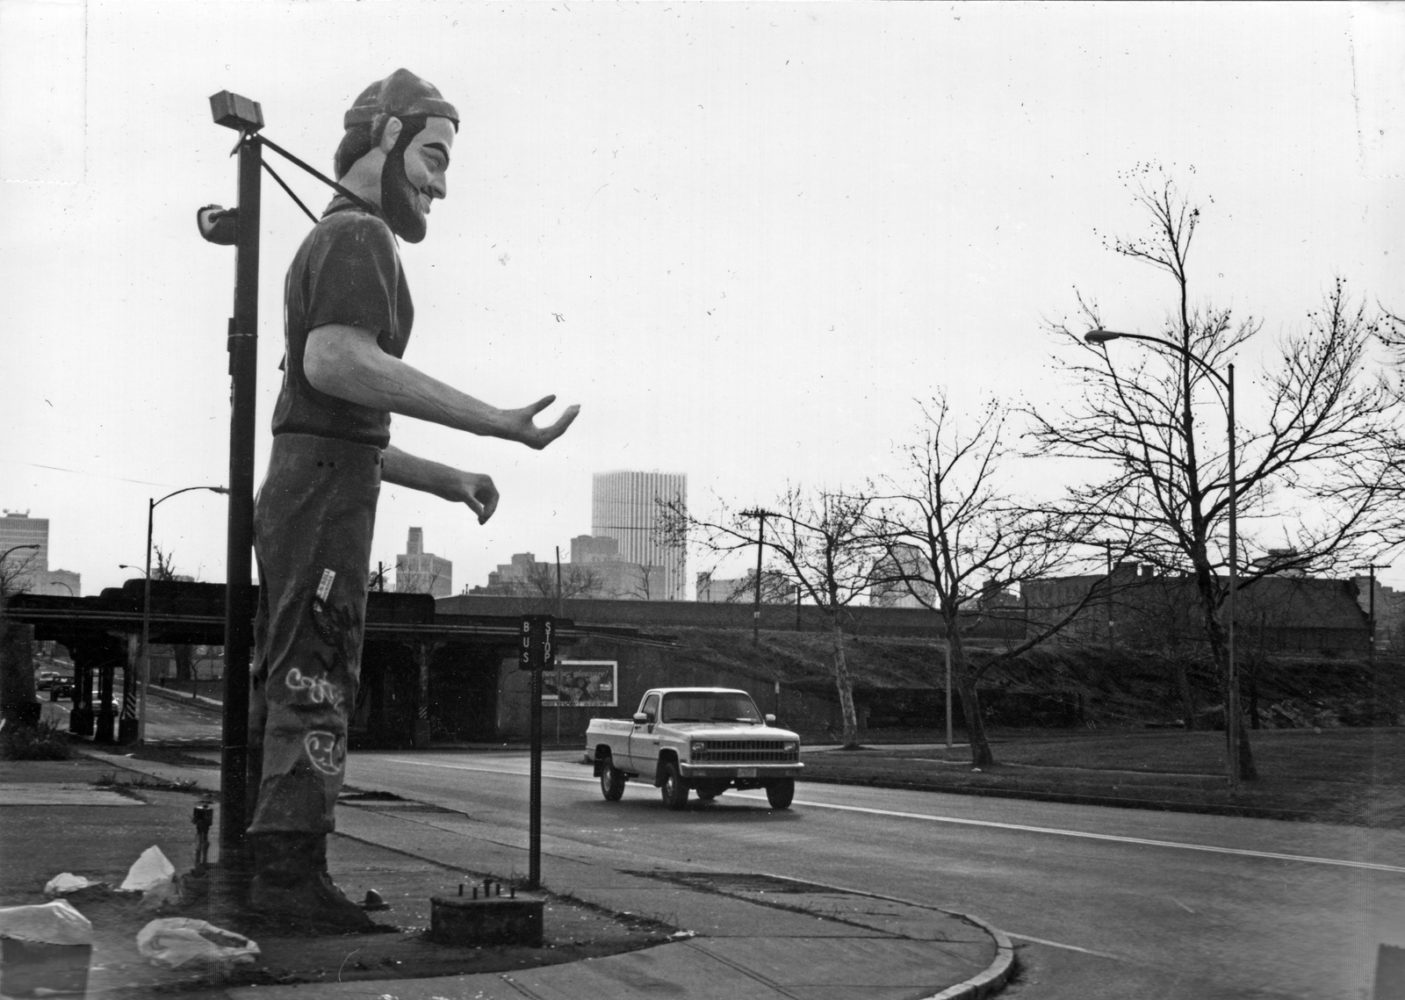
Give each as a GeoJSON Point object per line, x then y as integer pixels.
{"type": "Point", "coordinates": [1101, 902]}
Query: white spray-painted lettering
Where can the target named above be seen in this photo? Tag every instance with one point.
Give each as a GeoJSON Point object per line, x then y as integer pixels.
{"type": "Point", "coordinates": [326, 751]}
{"type": "Point", "coordinates": [320, 690]}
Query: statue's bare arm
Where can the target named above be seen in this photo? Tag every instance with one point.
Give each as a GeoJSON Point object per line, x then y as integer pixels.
{"type": "Point", "coordinates": [455, 485]}
{"type": "Point", "coordinates": [346, 362]}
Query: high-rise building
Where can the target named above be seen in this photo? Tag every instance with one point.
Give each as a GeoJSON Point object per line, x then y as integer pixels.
{"type": "Point", "coordinates": [626, 506]}
{"type": "Point", "coordinates": [421, 572]}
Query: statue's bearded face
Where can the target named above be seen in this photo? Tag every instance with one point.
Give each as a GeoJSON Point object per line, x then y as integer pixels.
{"type": "Point", "coordinates": [413, 176]}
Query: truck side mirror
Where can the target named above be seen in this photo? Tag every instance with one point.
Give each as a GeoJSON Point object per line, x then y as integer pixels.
{"type": "Point", "coordinates": [642, 719]}
{"type": "Point", "coordinates": [770, 718]}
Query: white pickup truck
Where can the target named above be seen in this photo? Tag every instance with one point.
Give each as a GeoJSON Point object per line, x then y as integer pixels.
{"type": "Point", "coordinates": [695, 739]}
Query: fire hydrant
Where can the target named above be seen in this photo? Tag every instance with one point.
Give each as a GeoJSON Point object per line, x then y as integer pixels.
{"type": "Point", "coordinates": [203, 818]}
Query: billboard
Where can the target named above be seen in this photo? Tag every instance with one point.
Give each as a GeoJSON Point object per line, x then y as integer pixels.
{"type": "Point", "coordinates": [581, 683]}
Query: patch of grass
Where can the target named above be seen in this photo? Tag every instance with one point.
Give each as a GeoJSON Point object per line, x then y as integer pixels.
{"type": "Point", "coordinates": [43, 741]}
{"type": "Point", "coordinates": [1352, 776]}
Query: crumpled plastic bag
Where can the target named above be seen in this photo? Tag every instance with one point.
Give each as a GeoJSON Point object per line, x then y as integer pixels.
{"type": "Point", "coordinates": [179, 941]}
{"type": "Point", "coordinates": [67, 882]}
{"type": "Point", "coordinates": [48, 923]}
{"type": "Point", "coordinates": [151, 870]}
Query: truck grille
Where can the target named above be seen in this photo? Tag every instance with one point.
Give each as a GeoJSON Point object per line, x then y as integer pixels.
{"type": "Point", "coordinates": [745, 752]}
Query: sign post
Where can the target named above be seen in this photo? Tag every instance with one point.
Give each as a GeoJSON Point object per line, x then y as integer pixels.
{"type": "Point", "coordinates": [535, 653]}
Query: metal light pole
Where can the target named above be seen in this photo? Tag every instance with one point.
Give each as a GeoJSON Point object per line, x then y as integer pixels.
{"type": "Point", "coordinates": [239, 227]}
{"type": "Point", "coordinates": [1100, 336]}
{"type": "Point", "coordinates": [146, 607]}
{"type": "Point", "coordinates": [947, 643]}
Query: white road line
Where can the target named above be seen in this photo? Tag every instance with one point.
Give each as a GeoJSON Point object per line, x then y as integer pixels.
{"type": "Point", "coordinates": [1065, 947]}
{"type": "Point", "coordinates": [1018, 827]}
{"type": "Point", "coordinates": [1116, 838]}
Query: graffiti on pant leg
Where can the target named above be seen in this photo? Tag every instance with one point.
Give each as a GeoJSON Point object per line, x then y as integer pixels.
{"type": "Point", "coordinates": [320, 690]}
{"type": "Point", "coordinates": [327, 751]}
{"type": "Point", "coordinates": [339, 628]}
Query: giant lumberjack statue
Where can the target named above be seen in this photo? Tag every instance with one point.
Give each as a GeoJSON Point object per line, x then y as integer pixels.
{"type": "Point", "coordinates": [348, 316]}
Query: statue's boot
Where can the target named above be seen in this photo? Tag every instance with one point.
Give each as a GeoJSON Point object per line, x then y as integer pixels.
{"type": "Point", "coordinates": [291, 884]}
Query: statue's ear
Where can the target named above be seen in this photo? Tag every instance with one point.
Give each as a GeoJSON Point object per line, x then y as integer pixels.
{"type": "Point", "coordinates": [391, 134]}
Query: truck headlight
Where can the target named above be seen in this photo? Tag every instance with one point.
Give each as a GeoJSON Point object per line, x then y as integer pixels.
{"type": "Point", "coordinates": [789, 747]}
{"type": "Point", "coordinates": [699, 747]}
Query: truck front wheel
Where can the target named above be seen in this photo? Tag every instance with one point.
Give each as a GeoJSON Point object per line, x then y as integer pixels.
{"type": "Point", "coordinates": [611, 780]}
{"type": "Point", "coordinates": [673, 788]}
{"type": "Point", "coordinates": [781, 793]}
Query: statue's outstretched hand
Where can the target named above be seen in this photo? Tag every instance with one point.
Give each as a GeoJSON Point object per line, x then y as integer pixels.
{"type": "Point", "coordinates": [525, 429]}
{"type": "Point", "coordinates": [480, 494]}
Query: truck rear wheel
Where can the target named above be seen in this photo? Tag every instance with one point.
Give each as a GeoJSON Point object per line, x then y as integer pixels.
{"type": "Point", "coordinates": [673, 788]}
{"type": "Point", "coordinates": [781, 793]}
{"type": "Point", "coordinates": [611, 780]}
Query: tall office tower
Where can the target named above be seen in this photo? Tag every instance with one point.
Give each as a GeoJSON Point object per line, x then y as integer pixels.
{"type": "Point", "coordinates": [625, 506]}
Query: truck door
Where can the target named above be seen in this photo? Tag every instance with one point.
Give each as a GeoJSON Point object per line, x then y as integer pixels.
{"type": "Point", "coordinates": [643, 743]}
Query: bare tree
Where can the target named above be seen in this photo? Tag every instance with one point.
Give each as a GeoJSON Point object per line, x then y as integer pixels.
{"type": "Point", "coordinates": [552, 583]}
{"type": "Point", "coordinates": [17, 697]}
{"type": "Point", "coordinates": [954, 537]}
{"type": "Point", "coordinates": [642, 588]}
{"type": "Point", "coordinates": [1391, 333]}
{"type": "Point", "coordinates": [820, 539]}
{"type": "Point", "coordinates": [17, 573]}
{"type": "Point", "coordinates": [1303, 462]}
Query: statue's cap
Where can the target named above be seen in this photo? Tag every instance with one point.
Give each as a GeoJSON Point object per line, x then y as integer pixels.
{"type": "Point", "coordinates": [400, 95]}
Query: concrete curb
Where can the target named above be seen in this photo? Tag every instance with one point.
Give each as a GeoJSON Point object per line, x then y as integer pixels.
{"type": "Point", "coordinates": [984, 984]}
{"type": "Point", "coordinates": [996, 975]}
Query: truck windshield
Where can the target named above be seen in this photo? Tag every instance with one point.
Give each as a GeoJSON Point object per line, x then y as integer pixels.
{"type": "Point", "coordinates": [704, 706]}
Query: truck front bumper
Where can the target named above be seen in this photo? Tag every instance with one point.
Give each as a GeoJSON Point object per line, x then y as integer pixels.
{"type": "Point", "coordinates": [734, 772]}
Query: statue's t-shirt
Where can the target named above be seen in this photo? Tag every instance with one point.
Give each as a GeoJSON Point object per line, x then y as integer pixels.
{"type": "Point", "coordinates": [348, 272]}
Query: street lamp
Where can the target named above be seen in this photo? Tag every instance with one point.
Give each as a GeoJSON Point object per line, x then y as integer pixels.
{"type": "Point", "coordinates": [1101, 336]}
{"type": "Point", "coordinates": [146, 607]}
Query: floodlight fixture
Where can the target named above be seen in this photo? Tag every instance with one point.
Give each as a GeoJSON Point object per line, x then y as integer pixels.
{"type": "Point", "coordinates": [235, 111]}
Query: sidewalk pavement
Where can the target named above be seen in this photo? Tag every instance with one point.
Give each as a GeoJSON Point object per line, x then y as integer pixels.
{"type": "Point", "coordinates": [744, 935]}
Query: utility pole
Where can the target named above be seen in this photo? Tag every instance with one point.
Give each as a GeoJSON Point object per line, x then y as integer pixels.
{"type": "Point", "coordinates": [1371, 616]}
{"type": "Point", "coordinates": [760, 514]}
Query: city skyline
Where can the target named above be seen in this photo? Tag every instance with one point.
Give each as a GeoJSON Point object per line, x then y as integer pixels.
{"type": "Point", "coordinates": [747, 239]}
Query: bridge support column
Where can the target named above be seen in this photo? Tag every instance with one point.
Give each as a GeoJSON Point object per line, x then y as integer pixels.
{"type": "Point", "coordinates": [80, 718]}
{"type": "Point", "coordinates": [127, 724]}
{"type": "Point", "coordinates": [420, 739]}
{"type": "Point", "coordinates": [106, 717]}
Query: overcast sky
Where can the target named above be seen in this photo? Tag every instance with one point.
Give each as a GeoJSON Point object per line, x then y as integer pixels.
{"type": "Point", "coordinates": [744, 237]}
